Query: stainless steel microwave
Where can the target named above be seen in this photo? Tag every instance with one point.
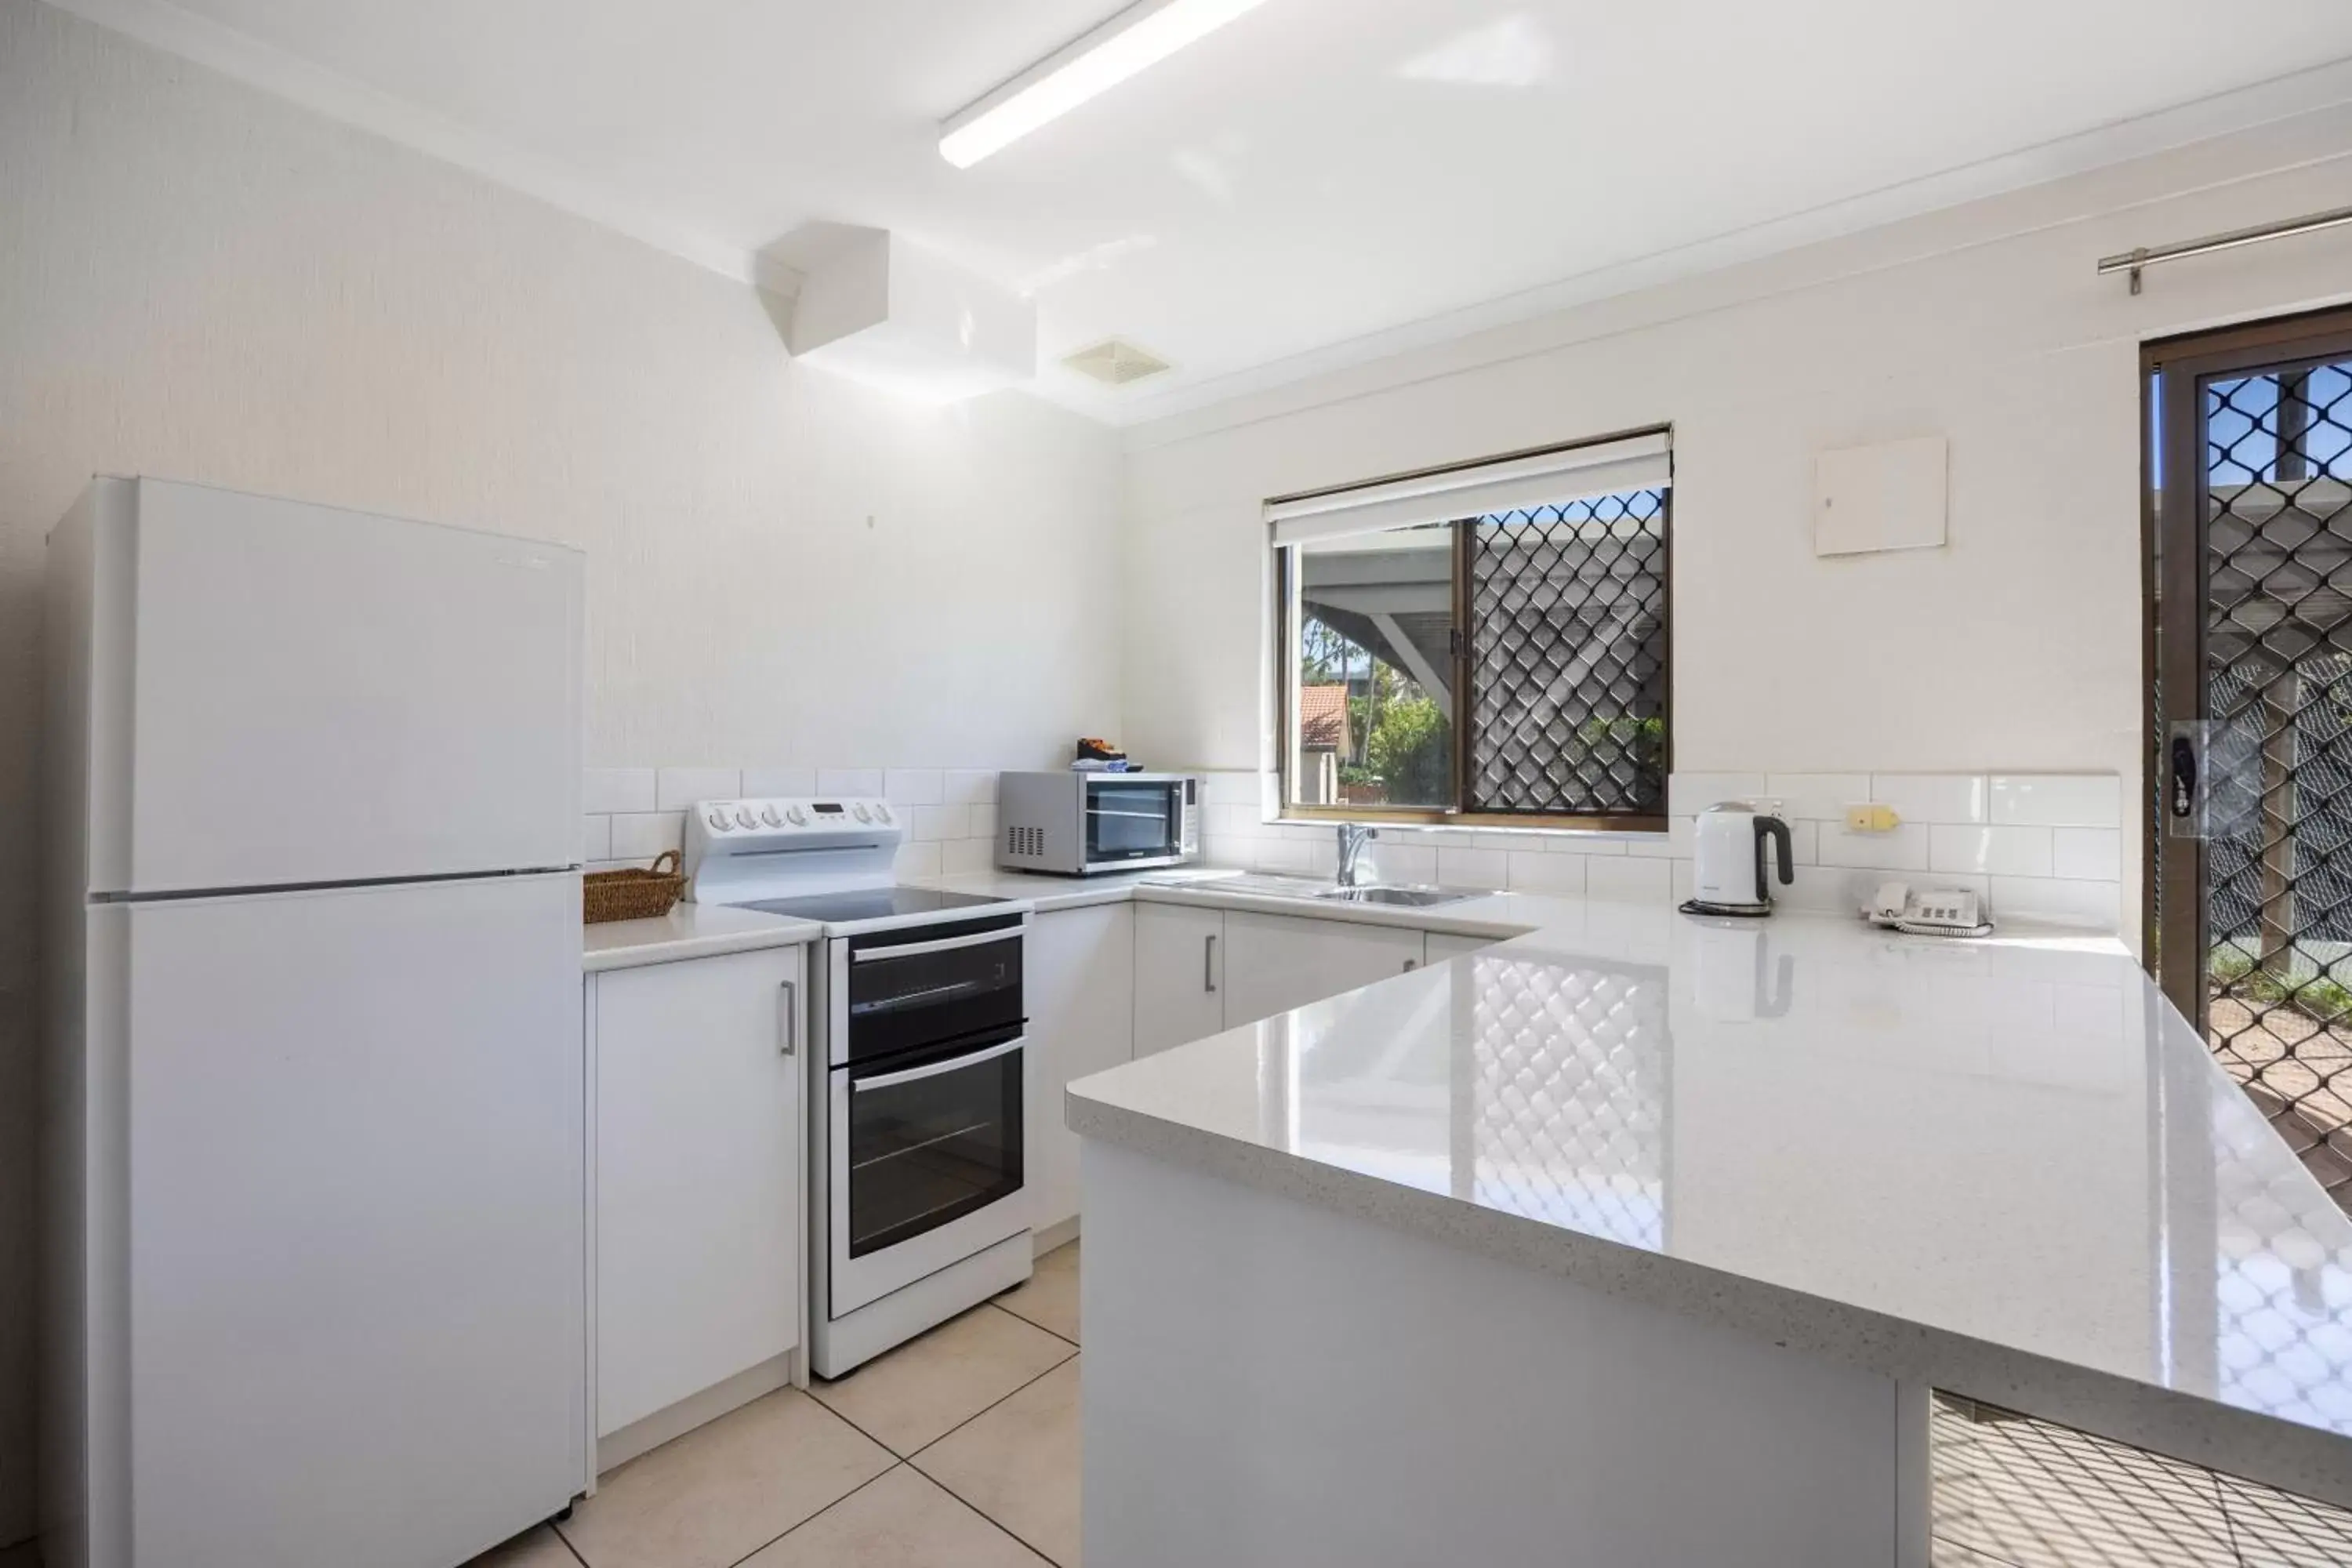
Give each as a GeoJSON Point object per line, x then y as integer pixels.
{"type": "Point", "coordinates": [1075, 824]}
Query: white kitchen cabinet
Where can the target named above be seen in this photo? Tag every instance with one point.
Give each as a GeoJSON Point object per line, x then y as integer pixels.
{"type": "Point", "coordinates": [697, 1172]}
{"type": "Point", "coordinates": [1275, 962]}
{"type": "Point", "coordinates": [1178, 988]}
{"type": "Point", "coordinates": [1081, 1001]}
{"type": "Point", "coordinates": [1441, 946]}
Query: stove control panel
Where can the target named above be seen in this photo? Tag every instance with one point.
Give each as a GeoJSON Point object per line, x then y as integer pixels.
{"type": "Point", "coordinates": [738, 850]}
{"type": "Point", "coordinates": [721, 818]}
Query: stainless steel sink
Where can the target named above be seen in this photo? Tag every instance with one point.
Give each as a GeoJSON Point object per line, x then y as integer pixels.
{"type": "Point", "coordinates": [1409, 898]}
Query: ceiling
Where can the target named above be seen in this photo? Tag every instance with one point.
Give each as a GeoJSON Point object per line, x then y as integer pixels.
{"type": "Point", "coordinates": [1317, 173]}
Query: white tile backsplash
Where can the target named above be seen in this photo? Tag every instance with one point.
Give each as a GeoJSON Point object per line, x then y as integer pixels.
{"type": "Point", "coordinates": [2058, 800]}
{"type": "Point", "coordinates": [1933, 797]}
{"type": "Point", "coordinates": [608, 790]}
{"type": "Point", "coordinates": [1630, 880]}
{"type": "Point", "coordinates": [959, 857]}
{"type": "Point", "coordinates": [1688, 794]}
{"type": "Point", "coordinates": [1993, 851]}
{"type": "Point", "coordinates": [849, 781]}
{"type": "Point", "coordinates": [1903, 849]}
{"type": "Point", "coordinates": [936, 824]}
{"type": "Point", "coordinates": [914, 786]}
{"type": "Point", "coordinates": [778, 784]}
{"type": "Point", "coordinates": [679, 788]}
{"type": "Point", "coordinates": [1817, 797]}
{"type": "Point", "coordinates": [970, 786]}
{"type": "Point", "coordinates": [1562, 876]}
{"type": "Point", "coordinates": [2058, 899]}
{"type": "Point", "coordinates": [1474, 869]}
{"type": "Point", "coordinates": [642, 834]}
{"type": "Point", "coordinates": [2087, 854]}
{"type": "Point", "coordinates": [2044, 846]}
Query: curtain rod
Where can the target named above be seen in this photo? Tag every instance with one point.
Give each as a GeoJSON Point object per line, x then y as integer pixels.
{"type": "Point", "coordinates": [2131, 261]}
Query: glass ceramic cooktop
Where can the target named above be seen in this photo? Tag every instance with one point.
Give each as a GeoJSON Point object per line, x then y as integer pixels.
{"type": "Point", "coordinates": [871, 904]}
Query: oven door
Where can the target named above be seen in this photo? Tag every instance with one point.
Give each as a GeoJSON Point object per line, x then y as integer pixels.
{"type": "Point", "coordinates": [926, 1148]}
{"type": "Point", "coordinates": [1131, 819]}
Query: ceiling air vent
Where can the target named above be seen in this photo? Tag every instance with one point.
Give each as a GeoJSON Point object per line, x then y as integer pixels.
{"type": "Point", "coordinates": [1115, 363]}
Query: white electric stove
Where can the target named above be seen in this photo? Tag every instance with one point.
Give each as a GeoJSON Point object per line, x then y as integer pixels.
{"type": "Point", "coordinates": [918, 1146]}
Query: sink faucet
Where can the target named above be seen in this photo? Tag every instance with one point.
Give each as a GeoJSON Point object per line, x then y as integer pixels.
{"type": "Point", "coordinates": [1352, 837]}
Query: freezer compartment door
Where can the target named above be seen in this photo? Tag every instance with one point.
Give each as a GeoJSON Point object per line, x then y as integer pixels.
{"type": "Point", "coordinates": [306, 695]}
{"type": "Point", "coordinates": [357, 1270]}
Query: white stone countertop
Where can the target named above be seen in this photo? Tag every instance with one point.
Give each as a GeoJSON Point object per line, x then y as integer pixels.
{"type": "Point", "coordinates": [689, 930]}
{"type": "Point", "coordinates": [1047, 893]}
{"type": "Point", "coordinates": [2006, 1168]}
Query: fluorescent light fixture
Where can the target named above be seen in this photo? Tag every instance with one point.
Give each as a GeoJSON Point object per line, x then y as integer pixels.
{"type": "Point", "coordinates": [1139, 37]}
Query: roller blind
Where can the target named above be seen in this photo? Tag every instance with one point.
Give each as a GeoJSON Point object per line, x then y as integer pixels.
{"type": "Point", "coordinates": [1548, 478]}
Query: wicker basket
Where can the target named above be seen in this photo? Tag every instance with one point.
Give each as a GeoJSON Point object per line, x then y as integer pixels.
{"type": "Point", "coordinates": [633, 895]}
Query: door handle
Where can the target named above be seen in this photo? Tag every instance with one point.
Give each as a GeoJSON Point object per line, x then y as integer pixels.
{"type": "Point", "coordinates": [792, 993]}
{"type": "Point", "coordinates": [1209, 963]}
{"type": "Point", "coordinates": [2184, 777]}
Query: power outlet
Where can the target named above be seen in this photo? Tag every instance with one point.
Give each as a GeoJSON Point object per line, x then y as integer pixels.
{"type": "Point", "coordinates": [1871, 819]}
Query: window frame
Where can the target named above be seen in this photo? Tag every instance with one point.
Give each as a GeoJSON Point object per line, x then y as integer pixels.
{"type": "Point", "coordinates": [1285, 671]}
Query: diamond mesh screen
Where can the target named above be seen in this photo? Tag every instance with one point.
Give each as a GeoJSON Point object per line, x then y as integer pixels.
{"type": "Point", "coordinates": [2278, 637]}
{"type": "Point", "coordinates": [2015, 1492]}
{"type": "Point", "coordinates": [1567, 657]}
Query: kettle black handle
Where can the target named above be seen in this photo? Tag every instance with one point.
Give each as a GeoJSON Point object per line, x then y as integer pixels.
{"type": "Point", "coordinates": [1773, 828]}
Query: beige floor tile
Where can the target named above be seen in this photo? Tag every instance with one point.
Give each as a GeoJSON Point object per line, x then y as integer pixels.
{"type": "Point", "coordinates": [903, 1520]}
{"type": "Point", "coordinates": [722, 1492]}
{"type": "Point", "coordinates": [1018, 1464]}
{"type": "Point", "coordinates": [910, 1395]}
{"type": "Point", "coordinates": [1049, 1298]}
{"type": "Point", "coordinates": [537, 1547]}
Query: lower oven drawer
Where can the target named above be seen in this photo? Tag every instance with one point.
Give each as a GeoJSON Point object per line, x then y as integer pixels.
{"type": "Point", "coordinates": [927, 1150]}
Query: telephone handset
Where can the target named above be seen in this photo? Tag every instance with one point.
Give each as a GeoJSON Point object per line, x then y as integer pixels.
{"type": "Point", "coordinates": [1938, 911]}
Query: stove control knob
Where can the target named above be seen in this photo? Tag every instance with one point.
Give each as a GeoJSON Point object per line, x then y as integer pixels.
{"type": "Point", "coordinates": [881, 813]}
{"type": "Point", "coordinates": [861, 812]}
{"type": "Point", "coordinates": [716, 821]}
{"type": "Point", "coordinates": [795, 816]}
{"type": "Point", "coordinates": [768, 814]}
{"type": "Point", "coordinates": [744, 818]}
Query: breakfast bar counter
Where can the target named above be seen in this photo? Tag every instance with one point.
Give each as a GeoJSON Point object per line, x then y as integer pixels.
{"type": "Point", "coordinates": [1642, 1239]}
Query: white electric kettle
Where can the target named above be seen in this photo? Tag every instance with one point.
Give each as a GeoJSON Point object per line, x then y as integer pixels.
{"type": "Point", "coordinates": [1730, 877]}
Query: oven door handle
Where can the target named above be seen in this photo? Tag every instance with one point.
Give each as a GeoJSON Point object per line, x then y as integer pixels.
{"type": "Point", "coordinates": [945, 944]}
{"type": "Point", "coordinates": [956, 1064]}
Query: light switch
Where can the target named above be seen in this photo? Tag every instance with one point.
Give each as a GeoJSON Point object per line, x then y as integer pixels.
{"type": "Point", "coordinates": [1871, 819]}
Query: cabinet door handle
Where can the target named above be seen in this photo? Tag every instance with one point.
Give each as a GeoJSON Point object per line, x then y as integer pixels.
{"type": "Point", "coordinates": [1208, 964]}
{"type": "Point", "coordinates": [792, 990]}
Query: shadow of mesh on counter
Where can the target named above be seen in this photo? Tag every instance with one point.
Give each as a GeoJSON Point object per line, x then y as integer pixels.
{"type": "Point", "coordinates": [2012, 1491]}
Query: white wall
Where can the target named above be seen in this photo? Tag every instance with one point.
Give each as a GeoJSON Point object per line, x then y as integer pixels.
{"type": "Point", "coordinates": [199, 282]}
{"type": "Point", "coordinates": [2015, 647]}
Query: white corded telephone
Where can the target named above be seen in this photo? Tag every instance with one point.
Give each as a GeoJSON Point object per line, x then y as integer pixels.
{"type": "Point", "coordinates": [1938, 911]}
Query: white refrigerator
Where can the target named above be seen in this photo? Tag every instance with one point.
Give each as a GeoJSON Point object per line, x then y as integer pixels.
{"type": "Point", "coordinates": [315, 1188]}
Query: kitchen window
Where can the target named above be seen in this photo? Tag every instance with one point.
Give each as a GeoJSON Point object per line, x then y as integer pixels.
{"type": "Point", "coordinates": [1483, 643]}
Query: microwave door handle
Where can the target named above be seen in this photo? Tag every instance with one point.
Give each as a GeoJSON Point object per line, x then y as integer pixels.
{"type": "Point", "coordinates": [892, 1079]}
{"type": "Point", "coordinates": [945, 944]}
